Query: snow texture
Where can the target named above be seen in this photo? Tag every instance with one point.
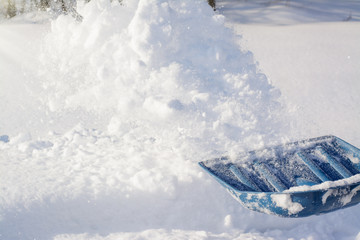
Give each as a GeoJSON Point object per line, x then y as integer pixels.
{"type": "Point", "coordinates": [103, 121]}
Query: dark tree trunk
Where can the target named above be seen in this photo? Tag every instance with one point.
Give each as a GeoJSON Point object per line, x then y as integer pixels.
{"type": "Point", "coordinates": [212, 3]}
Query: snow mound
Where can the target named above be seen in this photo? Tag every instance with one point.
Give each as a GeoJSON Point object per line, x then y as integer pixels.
{"type": "Point", "coordinates": [168, 68]}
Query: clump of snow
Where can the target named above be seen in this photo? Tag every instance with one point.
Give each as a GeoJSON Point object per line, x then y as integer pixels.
{"type": "Point", "coordinates": [228, 221]}
{"type": "Point", "coordinates": [284, 201]}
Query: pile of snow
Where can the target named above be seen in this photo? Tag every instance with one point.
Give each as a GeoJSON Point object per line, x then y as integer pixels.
{"type": "Point", "coordinates": [166, 69]}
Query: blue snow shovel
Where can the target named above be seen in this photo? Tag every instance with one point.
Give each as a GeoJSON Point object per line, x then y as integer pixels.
{"type": "Point", "coordinates": [298, 179]}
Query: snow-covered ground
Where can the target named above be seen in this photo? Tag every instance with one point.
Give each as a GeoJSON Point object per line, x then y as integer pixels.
{"type": "Point", "coordinates": [309, 50]}
{"type": "Point", "coordinates": [108, 118]}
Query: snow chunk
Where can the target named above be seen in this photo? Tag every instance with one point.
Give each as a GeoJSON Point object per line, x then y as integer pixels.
{"type": "Point", "coordinates": [284, 201]}
{"type": "Point", "coordinates": [228, 221]}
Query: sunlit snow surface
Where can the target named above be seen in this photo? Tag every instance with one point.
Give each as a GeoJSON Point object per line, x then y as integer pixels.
{"type": "Point", "coordinates": [107, 119]}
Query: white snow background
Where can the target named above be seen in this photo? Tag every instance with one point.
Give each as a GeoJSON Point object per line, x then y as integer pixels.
{"type": "Point", "coordinates": [108, 117]}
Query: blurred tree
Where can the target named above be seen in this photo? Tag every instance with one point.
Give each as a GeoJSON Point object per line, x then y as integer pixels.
{"type": "Point", "coordinates": [44, 4]}
{"type": "Point", "coordinates": [11, 9]}
{"type": "Point", "coordinates": [64, 7]}
{"type": "Point", "coordinates": [212, 3]}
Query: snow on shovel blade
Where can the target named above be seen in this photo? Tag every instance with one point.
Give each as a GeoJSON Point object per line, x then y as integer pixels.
{"type": "Point", "coordinates": [298, 179]}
